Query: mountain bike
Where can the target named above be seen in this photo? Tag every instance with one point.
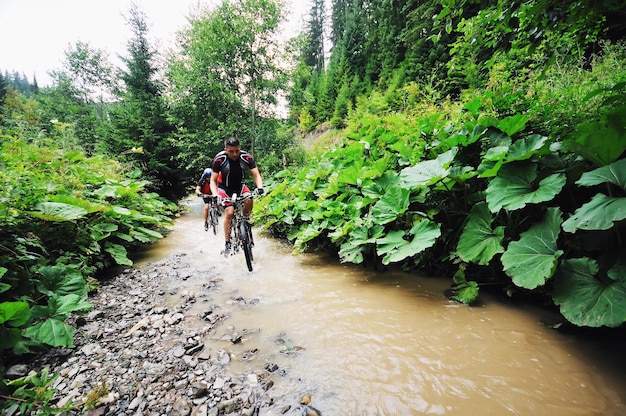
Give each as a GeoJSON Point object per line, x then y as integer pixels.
{"type": "Point", "coordinates": [213, 213]}
{"type": "Point", "coordinates": [241, 229]}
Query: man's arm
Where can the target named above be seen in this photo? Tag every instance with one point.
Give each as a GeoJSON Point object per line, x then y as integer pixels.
{"type": "Point", "coordinates": [258, 180]}
{"type": "Point", "coordinates": [213, 184]}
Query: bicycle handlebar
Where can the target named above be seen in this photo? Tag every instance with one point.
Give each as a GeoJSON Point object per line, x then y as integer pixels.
{"type": "Point", "coordinates": [237, 200]}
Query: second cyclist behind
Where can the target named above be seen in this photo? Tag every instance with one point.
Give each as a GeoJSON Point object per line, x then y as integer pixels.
{"type": "Point", "coordinates": [203, 187]}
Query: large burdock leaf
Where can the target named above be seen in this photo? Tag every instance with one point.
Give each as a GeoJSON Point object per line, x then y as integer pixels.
{"type": "Point", "coordinates": [89, 206]}
{"type": "Point", "coordinates": [602, 211]}
{"type": "Point", "coordinates": [479, 241]}
{"type": "Point", "coordinates": [513, 124]}
{"type": "Point", "coordinates": [533, 259]}
{"type": "Point", "coordinates": [58, 211]}
{"type": "Point", "coordinates": [14, 313]}
{"type": "Point", "coordinates": [427, 172]}
{"type": "Point", "coordinates": [527, 147]}
{"type": "Point", "coordinates": [52, 331]}
{"type": "Point", "coordinates": [379, 186]}
{"type": "Point", "coordinates": [394, 247]}
{"type": "Point", "coordinates": [601, 142]}
{"type": "Point", "coordinates": [102, 230]}
{"type": "Point", "coordinates": [521, 149]}
{"type": "Point", "coordinates": [586, 301]}
{"type": "Point", "coordinates": [145, 235]}
{"type": "Point", "coordinates": [614, 173]}
{"type": "Point", "coordinates": [119, 253]}
{"type": "Point", "coordinates": [61, 280]}
{"type": "Point", "coordinates": [598, 214]}
{"type": "Point", "coordinates": [393, 204]}
{"type": "Point", "coordinates": [350, 174]}
{"type": "Point", "coordinates": [63, 306]}
{"type": "Point", "coordinates": [352, 250]}
{"type": "Point", "coordinates": [492, 161]}
{"type": "Point", "coordinates": [515, 186]}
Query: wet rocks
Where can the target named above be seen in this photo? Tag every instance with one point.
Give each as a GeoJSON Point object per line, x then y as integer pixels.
{"type": "Point", "coordinates": [136, 355]}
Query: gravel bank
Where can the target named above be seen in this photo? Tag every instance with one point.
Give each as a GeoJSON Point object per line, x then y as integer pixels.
{"type": "Point", "coordinates": [136, 355]}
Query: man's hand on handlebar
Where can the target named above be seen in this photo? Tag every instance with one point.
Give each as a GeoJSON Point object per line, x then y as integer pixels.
{"type": "Point", "coordinates": [258, 191]}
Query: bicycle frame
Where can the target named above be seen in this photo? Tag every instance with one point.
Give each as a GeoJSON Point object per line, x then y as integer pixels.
{"type": "Point", "coordinates": [213, 213]}
{"type": "Point", "coordinates": [240, 228]}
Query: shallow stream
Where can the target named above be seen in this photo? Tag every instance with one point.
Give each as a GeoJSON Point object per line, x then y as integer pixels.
{"type": "Point", "coordinates": [364, 343]}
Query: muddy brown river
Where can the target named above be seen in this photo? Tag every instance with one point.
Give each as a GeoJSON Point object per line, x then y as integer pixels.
{"type": "Point", "coordinates": [363, 343]}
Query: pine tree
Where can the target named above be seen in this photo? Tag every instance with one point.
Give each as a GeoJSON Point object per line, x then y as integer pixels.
{"type": "Point", "coordinates": [3, 89]}
{"type": "Point", "coordinates": [313, 50]}
{"type": "Point", "coordinates": [139, 121]}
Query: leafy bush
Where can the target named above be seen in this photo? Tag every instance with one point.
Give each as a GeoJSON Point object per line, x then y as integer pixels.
{"type": "Point", "coordinates": [471, 190]}
{"type": "Point", "coordinates": [63, 217]}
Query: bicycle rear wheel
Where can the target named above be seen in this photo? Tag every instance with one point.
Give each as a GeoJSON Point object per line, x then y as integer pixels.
{"type": "Point", "coordinates": [246, 244]}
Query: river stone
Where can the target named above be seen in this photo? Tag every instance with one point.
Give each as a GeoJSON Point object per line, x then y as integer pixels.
{"type": "Point", "coordinates": [219, 383]}
{"type": "Point", "coordinates": [252, 379]}
{"type": "Point", "coordinates": [16, 371]}
{"type": "Point", "coordinates": [153, 368]}
{"type": "Point", "coordinates": [181, 407]}
{"type": "Point", "coordinates": [178, 352]}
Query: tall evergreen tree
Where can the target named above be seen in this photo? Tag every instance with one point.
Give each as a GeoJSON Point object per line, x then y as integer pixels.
{"type": "Point", "coordinates": [340, 10]}
{"type": "Point", "coordinates": [384, 47]}
{"type": "Point", "coordinates": [313, 51]}
{"type": "Point", "coordinates": [35, 86]}
{"type": "Point", "coordinates": [3, 89]}
{"type": "Point", "coordinates": [424, 59]}
{"type": "Point", "coordinates": [139, 120]}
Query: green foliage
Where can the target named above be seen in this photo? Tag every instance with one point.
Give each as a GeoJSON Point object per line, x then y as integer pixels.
{"type": "Point", "coordinates": [470, 186]}
{"type": "Point", "coordinates": [533, 259]}
{"type": "Point", "coordinates": [225, 79]}
{"type": "Point", "coordinates": [102, 212]}
{"type": "Point", "coordinates": [587, 300]}
{"type": "Point", "coordinates": [95, 395]}
{"type": "Point", "coordinates": [33, 395]}
{"type": "Point", "coordinates": [463, 291]}
{"type": "Point", "coordinates": [602, 212]}
{"type": "Point", "coordinates": [398, 245]}
{"type": "Point", "coordinates": [516, 185]}
{"type": "Point", "coordinates": [480, 241]}
{"type": "Point", "coordinates": [305, 120]}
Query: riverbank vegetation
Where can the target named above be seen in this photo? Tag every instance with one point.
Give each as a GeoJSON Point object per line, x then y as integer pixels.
{"type": "Point", "coordinates": [463, 139]}
{"type": "Point", "coordinates": [485, 145]}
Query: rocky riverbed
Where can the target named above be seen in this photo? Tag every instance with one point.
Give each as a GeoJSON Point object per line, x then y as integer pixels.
{"type": "Point", "coordinates": [143, 351]}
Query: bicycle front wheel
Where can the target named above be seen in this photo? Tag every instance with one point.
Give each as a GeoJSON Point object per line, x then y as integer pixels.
{"type": "Point", "coordinates": [246, 244]}
{"type": "Point", "coordinates": [213, 221]}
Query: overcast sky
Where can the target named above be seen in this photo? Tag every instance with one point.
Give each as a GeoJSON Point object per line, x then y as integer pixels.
{"type": "Point", "coordinates": [35, 33]}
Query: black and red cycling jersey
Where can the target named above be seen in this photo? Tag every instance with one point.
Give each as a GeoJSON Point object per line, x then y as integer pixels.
{"type": "Point", "coordinates": [232, 172]}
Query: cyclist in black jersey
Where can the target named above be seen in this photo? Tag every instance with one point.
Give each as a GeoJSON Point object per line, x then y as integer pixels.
{"type": "Point", "coordinates": [230, 165]}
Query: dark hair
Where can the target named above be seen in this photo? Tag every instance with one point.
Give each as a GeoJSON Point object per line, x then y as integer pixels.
{"type": "Point", "coordinates": [232, 141]}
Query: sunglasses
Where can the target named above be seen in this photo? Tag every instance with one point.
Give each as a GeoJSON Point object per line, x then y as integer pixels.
{"type": "Point", "coordinates": [232, 142]}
